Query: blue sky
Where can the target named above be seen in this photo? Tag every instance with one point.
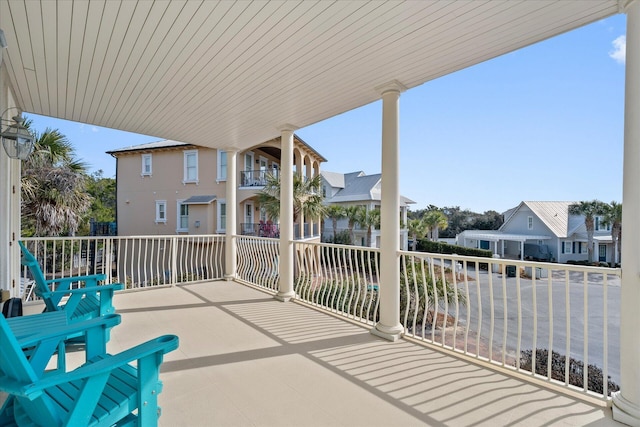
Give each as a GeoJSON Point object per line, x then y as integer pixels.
{"type": "Point", "coordinates": [541, 123]}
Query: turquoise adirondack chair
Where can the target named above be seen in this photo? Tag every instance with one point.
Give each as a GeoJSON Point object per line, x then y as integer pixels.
{"type": "Point", "coordinates": [85, 303]}
{"type": "Point", "coordinates": [94, 334]}
{"type": "Point", "coordinates": [105, 391]}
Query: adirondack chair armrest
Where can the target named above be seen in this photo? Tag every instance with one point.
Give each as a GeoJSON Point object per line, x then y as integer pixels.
{"type": "Point", "coordinates": [104, 365]}
{"type": "Point", "coordinates": [71, 330]}
{"type": "Point", "coordinates": [90, 280]}
{"type": "Point", "coordinates": [90, 289]}
{"type": "Point", "coordinates": [11, 386]}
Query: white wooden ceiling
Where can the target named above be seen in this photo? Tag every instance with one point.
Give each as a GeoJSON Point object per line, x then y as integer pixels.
{"type": "Point", "coordinates": [223, 73]}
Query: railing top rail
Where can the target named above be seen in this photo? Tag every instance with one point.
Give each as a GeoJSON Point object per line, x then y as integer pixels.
{"type": "Point", "coordinates": [516, 262]}
{"type": "Point", "coordinates": [154, 236]}
{"type": "Point", "coordinates": [333, 245]}
{"type": "Point", "coordinates": [245, 237]}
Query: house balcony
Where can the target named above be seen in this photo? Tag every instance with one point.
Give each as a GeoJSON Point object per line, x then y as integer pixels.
{"type": "Point", "coordinates": [248, 359]}
{"type": "Point", "coordinates": [255, 178]}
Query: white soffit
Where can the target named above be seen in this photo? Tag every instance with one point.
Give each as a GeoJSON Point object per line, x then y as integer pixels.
{"type": "Point", "coordinates": [222, 73]}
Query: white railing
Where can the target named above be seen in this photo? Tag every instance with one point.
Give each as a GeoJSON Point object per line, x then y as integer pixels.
{"type": "Point", "coordinates": [258, 261]}
{"type": "Point", "coordinates": [540, 319]}
{"type": "Point", "coordinates": [342, 279]}
{"type": "Point", "coordinates": [543, 319]}
{"type": "Point", "coordinates": [135, 261]}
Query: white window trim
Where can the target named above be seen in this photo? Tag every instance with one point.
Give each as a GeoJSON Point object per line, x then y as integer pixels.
{"type": "Point", "coordinates": [179, 219]}
{"type": "Point", "coordinates": [142, 171]}
{"type": "Point", "coordinates": [218, 218]}
{"type": "Point", "coordinates": [158, 219]}
{"type": "Point", "coordinates": [530, 222]}
{"type": "Point", "coordinates": [221, 178]}
{"type": "Point", "coordinates": [568, 247]}
{"type": "Point", "coordinates": [186, 154]}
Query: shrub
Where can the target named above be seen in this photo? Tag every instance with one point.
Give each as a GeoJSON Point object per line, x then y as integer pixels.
{"type": "Point", "coordinates": [425, 245]}
{"type": "Point", "coordinates": [576, 370]}
{"type": "Point", "coordinates": [421, 296]}
{"type": "Point", "coordinates": [341, 238]}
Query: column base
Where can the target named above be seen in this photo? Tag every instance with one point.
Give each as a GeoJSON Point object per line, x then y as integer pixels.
{"type": "Point", "coordinates": [389, 333]}
{"type": "Point", "coordinates": [285, 296]}
{"type": "Point", "coordinates": [229, 277]}
{"type": "Point", "coordinates": [624, 411]}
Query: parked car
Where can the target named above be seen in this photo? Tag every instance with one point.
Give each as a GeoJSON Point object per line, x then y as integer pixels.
{"type": "Point", "coordinates": [535, 252]}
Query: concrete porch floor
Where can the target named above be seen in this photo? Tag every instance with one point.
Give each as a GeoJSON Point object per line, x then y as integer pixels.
{"type": "Point", "coordinates": [246, 359]}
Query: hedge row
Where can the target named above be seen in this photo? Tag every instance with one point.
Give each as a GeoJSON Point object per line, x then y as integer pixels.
{"type": "Point", "coordinates": [425, 245]}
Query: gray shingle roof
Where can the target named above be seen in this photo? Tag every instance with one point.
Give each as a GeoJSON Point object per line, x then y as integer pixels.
{"type": "Point", "coordinates": [199, 200]}
{"type": "Point", "coordinates": [555, 215]}
{"type": "Point", "coordinates": [356, 186]}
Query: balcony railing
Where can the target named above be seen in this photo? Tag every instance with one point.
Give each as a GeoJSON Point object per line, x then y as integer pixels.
{"type": "Point", "coordinates": [538, 319]}
{"type": "Point", "coordinates": [134, 261]}
{"type": "Point", "coordinates": [260, 229]}
{"type": "Point", "coordinates": [255, 178]}
{"type": "Point", "coordinates": [555, 321]}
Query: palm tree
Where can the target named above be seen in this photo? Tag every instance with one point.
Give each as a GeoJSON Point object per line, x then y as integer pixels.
{"type": "Point", "coordinates": [53, 186]}
{"type": "Point", "coordinates": [307, 197]}
{"type": "Point", "coordinates": [435, 220]}
{"type": "Point", "coordinates": [335, 213]}
{"type": "Point", "coordinates": [353, 214]}
{"type": "Point", "coordinates": [369, 218]}
{"type": "Point", "coordinates": [417, 229]}
{"type": "Point", "coordinates": [590, 210]}
{"type": "Point", "coordinates": [613, 217]}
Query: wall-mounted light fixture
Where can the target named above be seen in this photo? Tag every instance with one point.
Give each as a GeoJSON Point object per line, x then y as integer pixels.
{"type": "Point", "coordinates": [17, 140]}
{"type": "Point", "coordinates": [197, 224]}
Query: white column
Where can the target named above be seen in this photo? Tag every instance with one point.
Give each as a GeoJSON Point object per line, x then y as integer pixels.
{"type": "Point", "coordinates": [231, 188]}
{"type": "Point", "coordinates": [285, 266]}
{"type": "Point", "coordinates": [389, 326]}
{"type": "Point", "coordinates": [10, 224]}
{"type": "Point", "coordinates": [5, 201]}
{"type": "Point", "coordinates": [626, 402]}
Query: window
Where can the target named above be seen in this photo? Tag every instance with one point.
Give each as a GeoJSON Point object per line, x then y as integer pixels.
{"type": "Point", "coordinates": [146, 165]}
{"type": "Point", "coordinates": [222, 165]}
{"type": "Point", "coordinates": [530, 222]}
{"type": "Point", "coordinates": [161, 211]}
{"type": "Point", "coordinates": [599, 226]}
{"type": "Point", "coordinates": [191, 166]}
{"type": "Point", "coordinates": [222, 215]}
{"type": "Point", "coordinates": [183, 217]}
{"type": "Point", "coordinates": [566, 247]}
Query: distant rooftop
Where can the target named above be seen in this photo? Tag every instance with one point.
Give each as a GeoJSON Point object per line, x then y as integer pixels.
{"type": "Point", "coordinates": [167, 143]}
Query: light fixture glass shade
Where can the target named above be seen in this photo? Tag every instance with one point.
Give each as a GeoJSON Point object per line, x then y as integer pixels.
{"type": "Point", "coordinates": [17, 141]}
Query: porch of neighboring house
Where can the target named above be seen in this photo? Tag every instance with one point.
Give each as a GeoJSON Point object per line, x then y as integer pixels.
{"type": "Point", "coordinates": [247, 359]}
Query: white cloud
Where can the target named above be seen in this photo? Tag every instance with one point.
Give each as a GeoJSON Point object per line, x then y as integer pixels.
{"type": "Point", "coordinates": [83, 128]}
{"type": "Point", "coordinates": [619, 52]}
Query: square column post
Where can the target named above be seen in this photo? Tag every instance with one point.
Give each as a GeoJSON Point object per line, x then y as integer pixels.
{"type": "Point", "coordinates": [10, 222]}
{"type": "Point", "coordinates": [626, 402]}
{"type": "Point", "coordinates": [389, 326]}
{"type": "Point", "coordinates": [230, 252]}
{"type": "Point", "coordinates": [285, 265]}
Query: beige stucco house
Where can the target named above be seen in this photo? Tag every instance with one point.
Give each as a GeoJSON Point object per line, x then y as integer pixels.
{"type": "Point", "coordinates": [170, 187]}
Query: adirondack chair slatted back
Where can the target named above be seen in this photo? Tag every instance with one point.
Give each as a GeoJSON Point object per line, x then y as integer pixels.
{"type": "Point", "coordinates": [91, 300]}
{"type": "Point", "coordinates": [108, 390]}
{"type": "Point", "coordinates": [14, 365]}
{"type": "Point", "coordinates": [42, 288]}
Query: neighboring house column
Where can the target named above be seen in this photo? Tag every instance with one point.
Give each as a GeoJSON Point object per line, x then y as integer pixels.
{"type": "Point", "coordinates": [389, 326]}
{"type": "Point", "coordinates": [626, 402]}
{"type": "Point", "coordinates": [285, 265]}
{"type": "Point", "coordinates": [231, 216]}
